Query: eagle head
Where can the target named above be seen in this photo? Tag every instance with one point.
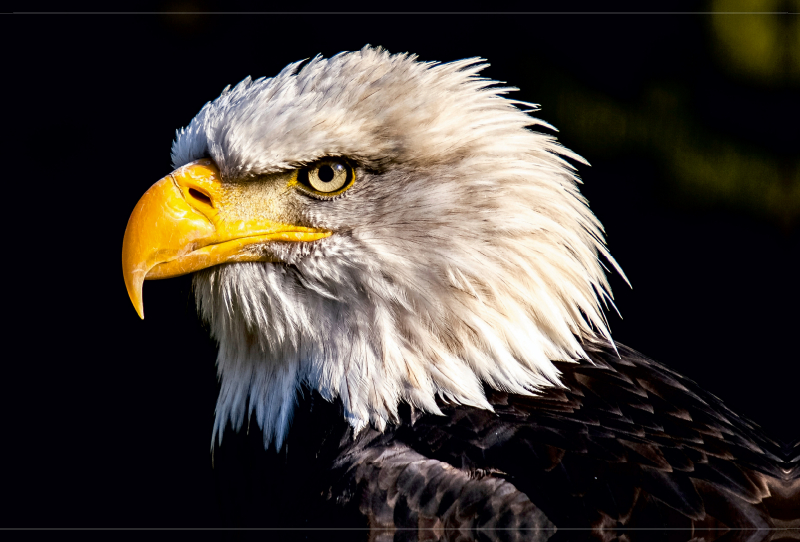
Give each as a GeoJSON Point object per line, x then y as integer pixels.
{"type": "Point", "coordinates": [379, 229]}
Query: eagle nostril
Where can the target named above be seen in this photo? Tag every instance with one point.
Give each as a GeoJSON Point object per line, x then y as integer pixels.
{"type": "Point", "coordinates": [196, 194]}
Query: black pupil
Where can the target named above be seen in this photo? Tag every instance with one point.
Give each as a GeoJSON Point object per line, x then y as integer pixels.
{"type": "Point", "coordinates": [325, 174]}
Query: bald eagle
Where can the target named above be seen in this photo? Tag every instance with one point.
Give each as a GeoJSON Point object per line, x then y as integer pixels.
{"type": "Point", "coordinates": [407, 291]}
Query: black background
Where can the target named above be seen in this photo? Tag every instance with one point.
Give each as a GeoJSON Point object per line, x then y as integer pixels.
{"type": "Point", "coordinates": [108, 418]}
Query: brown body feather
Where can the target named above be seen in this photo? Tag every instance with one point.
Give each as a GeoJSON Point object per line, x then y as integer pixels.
{"type": "Point", "coordinates": [629, 450]}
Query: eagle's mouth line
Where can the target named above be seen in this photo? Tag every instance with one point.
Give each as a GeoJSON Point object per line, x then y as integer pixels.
{"type": "Point", "coordinates": [232, 250]}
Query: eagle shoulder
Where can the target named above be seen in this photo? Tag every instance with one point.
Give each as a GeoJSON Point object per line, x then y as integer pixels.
{"type": "Point", "coordinates": [626, 444]}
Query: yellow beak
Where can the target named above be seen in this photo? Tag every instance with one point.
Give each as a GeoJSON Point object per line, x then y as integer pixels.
{"type": "Point", "coordinates": [177, 228]}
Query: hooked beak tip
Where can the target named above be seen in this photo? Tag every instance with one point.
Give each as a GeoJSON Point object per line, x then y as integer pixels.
{"type": "Point", "coordinates": [134, 282]}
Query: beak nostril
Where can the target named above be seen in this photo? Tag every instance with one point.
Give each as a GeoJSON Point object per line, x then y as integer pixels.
{"type": "Point", "coordinates": [196, 194]}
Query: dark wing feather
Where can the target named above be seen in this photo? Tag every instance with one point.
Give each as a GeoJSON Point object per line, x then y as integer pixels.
{"type": "Point", "coordinates": [404, 495]}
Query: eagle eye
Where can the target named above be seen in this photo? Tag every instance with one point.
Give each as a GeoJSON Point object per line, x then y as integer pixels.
{"type": "Point", "coordinates": [328, 177]}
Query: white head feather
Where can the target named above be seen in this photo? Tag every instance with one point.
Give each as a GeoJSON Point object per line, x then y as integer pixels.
{"type": "Point", "coordinates": [463, 254]}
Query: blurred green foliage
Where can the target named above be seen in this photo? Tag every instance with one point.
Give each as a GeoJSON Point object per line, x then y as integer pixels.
{"type": "Point", "coordinates": [762, 46]}
{"type": "Point", "coordinates": [704, 164]}
{"type": "Point", "coordinates": [705, 167]}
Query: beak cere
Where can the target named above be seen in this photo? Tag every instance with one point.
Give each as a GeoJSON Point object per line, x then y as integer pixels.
{"type": "Point", "coordinates": [177, 227]}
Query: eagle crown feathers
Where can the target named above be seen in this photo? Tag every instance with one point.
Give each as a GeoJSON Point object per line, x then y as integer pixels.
{"type": "Point", "coordinates": [464, 254]}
